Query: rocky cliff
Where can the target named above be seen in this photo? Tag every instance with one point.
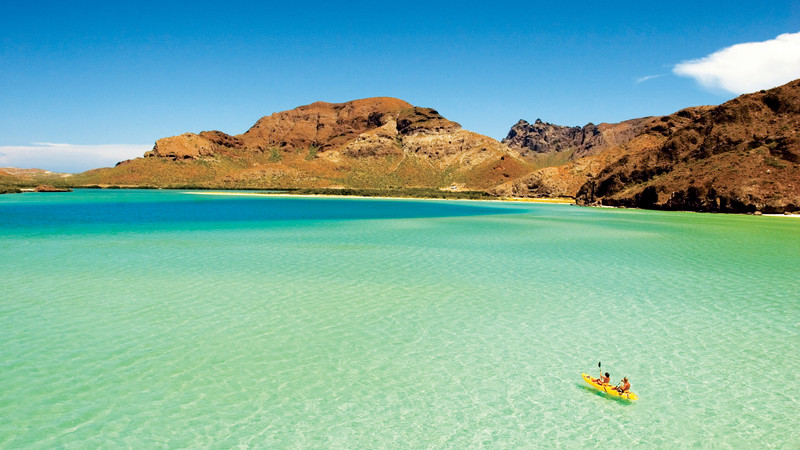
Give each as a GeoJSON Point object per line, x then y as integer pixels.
{"type": "Point", "coordinates": [541, 137]}
{"type": "Point", "coordinates": [741, 156]}
{"type": "Point", "coordinates": [577, 142]}
{"type": "Point", "coordinates": [370, 143]}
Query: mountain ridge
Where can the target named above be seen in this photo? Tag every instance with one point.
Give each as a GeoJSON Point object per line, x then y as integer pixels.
{"type": "Point", "coordinates": [740, 156]}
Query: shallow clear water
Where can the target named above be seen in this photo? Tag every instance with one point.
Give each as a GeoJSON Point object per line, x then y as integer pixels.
{"type": "Point", "coordinates": [150, 318]}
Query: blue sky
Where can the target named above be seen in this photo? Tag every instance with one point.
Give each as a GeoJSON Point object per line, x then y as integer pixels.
{"type": "Point", "coordinates": [87, 75]}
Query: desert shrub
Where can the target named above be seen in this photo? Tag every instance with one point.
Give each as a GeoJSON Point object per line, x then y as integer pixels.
{"type": "Point", "coordinates": [312, 152]}
{"type": "Point", "coordinates": [774, 162]}
{"type": "Point", "coordinates": [274, 154]}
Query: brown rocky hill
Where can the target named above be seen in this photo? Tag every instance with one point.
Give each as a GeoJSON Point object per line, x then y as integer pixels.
{"type": "Point", "coordinates": [741, 156]}
{"type": "Point", "coordinates": [370, 143]}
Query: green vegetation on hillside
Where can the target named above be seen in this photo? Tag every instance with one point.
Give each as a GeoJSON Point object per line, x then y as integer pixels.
{"type": "Point", "coordinates": [274, 154]}
{"type": "Point", "coordinates": [543, 160]}
{"type": "Point", "coordinates": [312, 152]}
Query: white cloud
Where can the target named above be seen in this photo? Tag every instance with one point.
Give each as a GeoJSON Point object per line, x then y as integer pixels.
{"type": "Point", "coordinates": [67, 158]}
{"type": "Point", "coordinates": [747, 67]}
{"type": "Point", "coordinates": [648, 77]}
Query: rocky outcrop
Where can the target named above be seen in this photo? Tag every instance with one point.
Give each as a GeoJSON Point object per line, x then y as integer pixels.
{"type": "Point", "coordinates": [185, 146]}
{"type": "Point", "coordinates": [422, 131]}
{"type": "Point", "coordinates": [381, 141]}
{"type": "Point", "coordinates": [576, 142]}
{"type": "Point", "coordinates": [221, 139]}
{"type": "Point", "coordinates": [542, 137]}
{"type": "Point", "coordinates": [414, 121]}
{"type": "Point", "coordinates": [321, 124]}
{"type": "Point", "coordinates": [48, 188]}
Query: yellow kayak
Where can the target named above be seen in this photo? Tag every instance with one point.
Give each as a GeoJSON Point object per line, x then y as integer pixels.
{"type": "Point", "coordinates": [609, 389]}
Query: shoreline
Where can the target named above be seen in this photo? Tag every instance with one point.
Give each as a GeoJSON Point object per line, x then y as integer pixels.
{"type": "Point", "coordinates": [559, 201]}
{"type": "Point", "coordinates": [553, 201]}
{"type": "Point", "coordinates": [538, 200]}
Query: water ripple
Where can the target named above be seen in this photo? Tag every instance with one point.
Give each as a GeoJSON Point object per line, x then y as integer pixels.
{"type": "Point", "coordinates": [414, 332]}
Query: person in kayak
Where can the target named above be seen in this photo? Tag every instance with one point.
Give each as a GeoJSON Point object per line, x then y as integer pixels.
{"type": "Point", "coordinates": [624, 386]}
{"type": "Point", "coordinates": [604, 379]}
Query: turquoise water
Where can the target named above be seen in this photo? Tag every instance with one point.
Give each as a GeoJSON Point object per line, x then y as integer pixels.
{"type": "Point", "coordinates": [172, 319]}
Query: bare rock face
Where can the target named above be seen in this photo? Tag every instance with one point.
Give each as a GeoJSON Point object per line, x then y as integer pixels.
{"type": "Point", "coordinates": [461, 145]}
{"type": "Point", "coordinates": [416, 120]}
{"type": "Point", "coordinates": [222, 139]}
{"type": "Point", "coordinates": [422, 131]}
{"type": "Point", "coordinates": [542, 137]}
{"type": "Point", "coordinates": [323, 125]}
{"type": "Point", "coordinates": [185, 146]}
{"type": "Point", "coordinates": [381, 141]}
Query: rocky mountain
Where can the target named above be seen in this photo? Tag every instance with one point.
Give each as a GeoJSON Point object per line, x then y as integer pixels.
{"type": "Point", "coordinates": [370, 143]}
{"type": "Point", "coordinates": [741, 156]}
{"type": "Point", "coordinates": [542, 138]}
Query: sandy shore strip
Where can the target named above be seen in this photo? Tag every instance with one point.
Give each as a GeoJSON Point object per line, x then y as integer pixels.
{"type": "Point", "coordinates": [558, 200]}
{"type": "Point", "coordinates": [555, 201]}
